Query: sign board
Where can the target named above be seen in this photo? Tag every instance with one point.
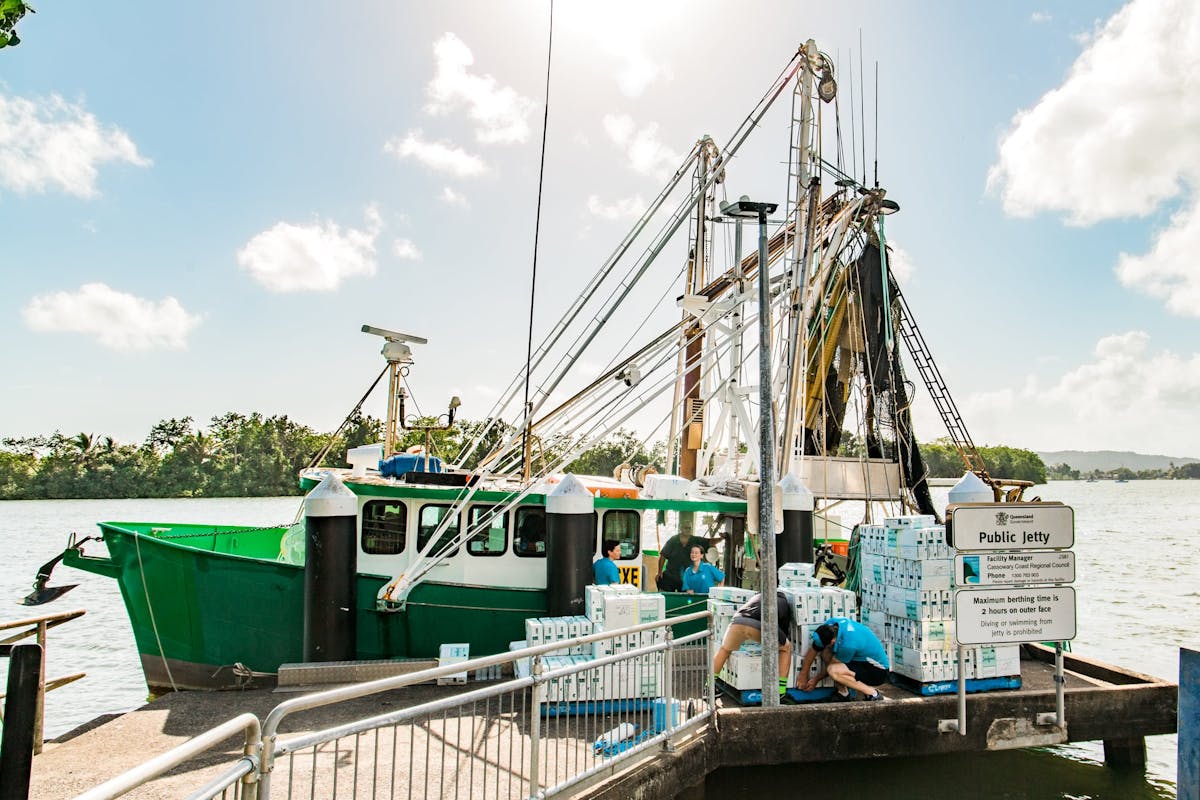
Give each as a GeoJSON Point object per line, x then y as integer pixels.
{"type": "Point", "coordinates": [1014, 568]}
{"type": "Point", "coordinates": [1010, 526]}
{"type": "Point", "coordinates": [1014, 615]}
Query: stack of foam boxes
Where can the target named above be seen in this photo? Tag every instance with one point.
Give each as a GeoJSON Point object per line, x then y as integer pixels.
{"type": "Point", "coordinates": [908, 602]}
{"type": "Point", "coordinates": [811, 607]}
{"type": "Point", "coordinates": [743, 670]}
{"type": "Point", "coordinates": [608, 608]}
{"type": "Point", "coordinates": [811, 604]}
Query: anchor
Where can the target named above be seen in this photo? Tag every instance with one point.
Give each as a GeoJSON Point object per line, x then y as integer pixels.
{"type": "Point", "coordinates": [42, 593]}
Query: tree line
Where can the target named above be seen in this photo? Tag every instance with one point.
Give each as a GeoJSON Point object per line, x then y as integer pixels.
{"type": "Point", "coordinates": [252, 455]}
{"type": "Point", "coordinates": [1064, 472]}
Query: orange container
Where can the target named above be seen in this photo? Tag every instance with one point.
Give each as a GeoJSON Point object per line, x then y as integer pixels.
{"type": "Point", "coordinates": [840, 548]}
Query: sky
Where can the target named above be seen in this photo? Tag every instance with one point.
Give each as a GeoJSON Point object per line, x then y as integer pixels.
{"type": "Point", "coordinates": [198, 212]}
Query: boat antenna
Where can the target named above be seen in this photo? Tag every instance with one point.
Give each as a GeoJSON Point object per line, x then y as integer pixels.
{"type": "Point", "coordinates": [853, 122]}
{"type": "Point", "coordinates": [877, 124]}
{"type": "Point", "coordinates": [862, 106]}
{"type": "Point", "coordinates": [526, 441]}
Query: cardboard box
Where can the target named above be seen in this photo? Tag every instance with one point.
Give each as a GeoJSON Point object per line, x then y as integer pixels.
{"type": "Point", "coordinates": [453, 654]}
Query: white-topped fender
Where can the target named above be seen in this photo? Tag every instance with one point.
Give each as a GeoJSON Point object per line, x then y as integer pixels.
{"type": "Point", "coordinates": [570, 496]}
{"type": "Point", "coordinates": [796, 495]}
{"type": "Point", "coordinates": [971, 489]}
{"type": "Point", "coordinates": [331, 498]}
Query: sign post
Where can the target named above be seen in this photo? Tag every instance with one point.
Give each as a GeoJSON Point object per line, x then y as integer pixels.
{"type": "Point", "coordinates": [1011, 575]}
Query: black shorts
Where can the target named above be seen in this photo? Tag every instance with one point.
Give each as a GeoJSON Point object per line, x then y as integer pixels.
{"type": "Point", "coordinates": [868, 673]}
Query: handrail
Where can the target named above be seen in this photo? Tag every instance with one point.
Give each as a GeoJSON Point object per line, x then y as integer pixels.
{"type": "Point", "coordinates": [158, 765]}
{"type": "Point", "coordinates": [38, 627]}
{"type": "Point", "coordinates": [49, 620]}
{"type": "Point", "coordinates": [275, 718]}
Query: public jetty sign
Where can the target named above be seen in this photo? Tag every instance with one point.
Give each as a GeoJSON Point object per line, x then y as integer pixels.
{"type": "Point", "coordinates": [1011, 572]}
{"type": "Point", "coordinates": [1010, 526]}
{"type": "Point", "coordinates": [1015, 616]}
{"type": "Point", "coordinates": [1014, 568]}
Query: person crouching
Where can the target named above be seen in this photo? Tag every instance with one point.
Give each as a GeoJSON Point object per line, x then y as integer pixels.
{"type": "Point", "coordinates": [853, 657]}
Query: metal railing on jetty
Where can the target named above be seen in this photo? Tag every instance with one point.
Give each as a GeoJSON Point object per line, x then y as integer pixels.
{"type": "Point", "coordinates": [38, 627]}
{"type": "Point", "coordinates": [571, 720]}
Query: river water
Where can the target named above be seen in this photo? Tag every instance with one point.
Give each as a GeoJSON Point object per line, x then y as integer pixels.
{"type": "Point", "coordinates": [1138, 580]}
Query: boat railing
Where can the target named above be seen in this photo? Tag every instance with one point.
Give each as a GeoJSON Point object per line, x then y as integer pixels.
{"type": "Point", "coordinates": [578, 711]}
{"type": "Point", "coordinates": [38, 627]}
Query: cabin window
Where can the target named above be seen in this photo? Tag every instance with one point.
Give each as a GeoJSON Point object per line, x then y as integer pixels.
{"type": "Point", "coordinates": [431, 517]}
{"type": "Point", "coordinates": [488, 531]}
{"type": "Point", "coordinates": [529, 536]}
{"type": "Point", "coordinates": [384, 525]}
{"type": "Point", "coordinates": [626, 528]}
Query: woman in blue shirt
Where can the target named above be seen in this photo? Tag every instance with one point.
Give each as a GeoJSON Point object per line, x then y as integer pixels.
{"type": "Point", "coordinates": [700, 576]}
{"type": "Point", "coordinates": [604, 569]}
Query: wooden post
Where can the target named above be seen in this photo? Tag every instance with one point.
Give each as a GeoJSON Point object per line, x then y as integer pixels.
{"type": "Point", "coordinates": [1187, 779]}
{"type": "Point", "coordinates": [1128, 752]}
{"type": "Point", "coordinates": [20, 714]}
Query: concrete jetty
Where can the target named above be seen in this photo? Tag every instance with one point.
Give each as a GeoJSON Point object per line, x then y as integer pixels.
{"type": "Point", "coordinates": [1103, 702]}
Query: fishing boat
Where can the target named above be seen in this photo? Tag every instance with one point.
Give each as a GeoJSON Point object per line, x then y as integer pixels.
{"type": "Point", "coordinates": [449, 553]}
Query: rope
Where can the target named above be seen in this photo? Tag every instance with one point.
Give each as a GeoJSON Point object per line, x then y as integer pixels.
{"type": "Point", "coordinates": [537, 229]}
{"type": "Point", "coordinates": [320, 456]}
{"type": "Point", "coordinates": [224, 533]}
{"type": "Point", "coordinates": [137, 544]}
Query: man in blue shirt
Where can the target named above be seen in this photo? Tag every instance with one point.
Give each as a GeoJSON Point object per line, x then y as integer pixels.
{"type": "Point", "coordinates": [700, 576]}
{"type": "Point", "coordinates": [853, 657]}
{"type": "Point", "coordinates": [604, 569]}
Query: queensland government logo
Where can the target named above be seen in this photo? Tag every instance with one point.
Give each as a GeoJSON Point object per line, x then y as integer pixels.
{"type": "Point", "coordinates": [1001, 517]}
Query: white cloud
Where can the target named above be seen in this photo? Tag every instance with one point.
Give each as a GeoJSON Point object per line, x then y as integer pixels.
{"type": "Point", "coordinates": [311, 258]}
{"type": "Point", "coordinates": [621, 208]}
{"type": "Point", "coordinates": [647, 155]}
{"type": "Point", "coordinates": [1169, 271]}
{"type": "Point", "coordinates": [629, 52]}
{"type": "Point", "coordinates": [1040, 16]}
{"type": "Point", "coordinates": [900, 263]}
{"type": "Point", "coordinates": [407, 250]}
{"type": "Point", "coordinates": [50, 143]}
{"type": "Point", "coordinates": [119, 321]}
{"type": "Point", "coordinates": [1126, 397]}
{"type": "Point", "coordinates": [438, 156]}
{"type": "Point", "coordinates": [1118, 139]}
{"type": "Point", "coordinates": [499, 112]}
{"type": "Point", "coordinates": [638, 70]}
{"type": "Point", "coordinates": [454, 198]}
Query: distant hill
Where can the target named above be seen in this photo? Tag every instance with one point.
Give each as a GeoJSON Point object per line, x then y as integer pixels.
{"type": "Point", "coordinates": [1088, 460]}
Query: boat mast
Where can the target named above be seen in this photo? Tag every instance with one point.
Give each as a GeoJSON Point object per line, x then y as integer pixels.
{"type": "Point", "coordinates": [691, 431]}
{"type": "Point", "coordinates": [808, 197]}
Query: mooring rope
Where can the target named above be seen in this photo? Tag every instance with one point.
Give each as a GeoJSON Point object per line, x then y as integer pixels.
{"type": "Point", "coordinates": [137, 544]}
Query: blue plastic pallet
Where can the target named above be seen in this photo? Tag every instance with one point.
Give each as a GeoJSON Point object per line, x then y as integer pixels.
{"type": "Point", "coordinates": [753, 697]}
{"type": "Point", "coordinates": [595, 707]}
{"type": "Point", "coordinates": [974, 685]}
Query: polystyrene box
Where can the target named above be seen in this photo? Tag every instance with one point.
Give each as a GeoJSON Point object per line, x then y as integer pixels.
{"type": "Point", "coordinates": [362, 458]}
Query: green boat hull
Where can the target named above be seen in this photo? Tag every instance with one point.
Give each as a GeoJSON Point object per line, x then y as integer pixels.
{"type": "Point", "coordinates": [210, 606]}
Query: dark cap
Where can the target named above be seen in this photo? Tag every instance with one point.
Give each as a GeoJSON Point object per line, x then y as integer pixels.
{"type": "Point", "coordinates": [824, 635]}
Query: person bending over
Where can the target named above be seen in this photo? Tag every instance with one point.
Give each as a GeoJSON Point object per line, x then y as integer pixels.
{"type": "Point", "coordinates": [853, 657]}
{"type": "Point", "coordinates": [700, 576]}
{"type": "Point", "coordinates": [747, 626]}
{"type": "Point", "coordinates": [604, 569]}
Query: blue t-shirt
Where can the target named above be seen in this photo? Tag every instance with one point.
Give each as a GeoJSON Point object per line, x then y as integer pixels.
{"type": "Point", "coordinates": [856, 642]}
{"type": "Point", "coordinates": [701, 581]}
{"type": "Point", "coordinates": [606, 572]}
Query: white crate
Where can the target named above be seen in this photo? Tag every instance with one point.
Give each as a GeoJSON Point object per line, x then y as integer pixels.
{"type": "Point", "coordinates": [453, 654]}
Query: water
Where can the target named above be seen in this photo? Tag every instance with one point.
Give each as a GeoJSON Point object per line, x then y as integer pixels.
{"type": "Point", "coordinates": [1138, 580]}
